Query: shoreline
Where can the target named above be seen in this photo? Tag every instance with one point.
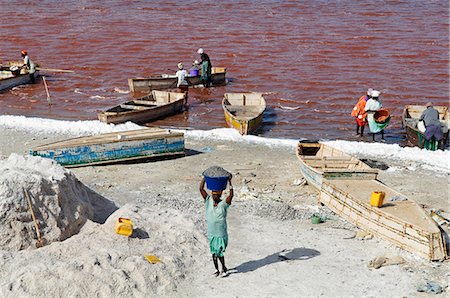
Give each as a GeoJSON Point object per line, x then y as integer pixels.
{"type": "Point", "coordinates": [269, 218]}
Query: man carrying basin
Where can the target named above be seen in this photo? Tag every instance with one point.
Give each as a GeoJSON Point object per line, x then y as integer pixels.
{"type": "Point", "coordinates": [216, 179]}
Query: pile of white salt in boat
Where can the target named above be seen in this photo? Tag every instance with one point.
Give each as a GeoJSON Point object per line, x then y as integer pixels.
{"type": "Point", "coordinates": [60, 203]}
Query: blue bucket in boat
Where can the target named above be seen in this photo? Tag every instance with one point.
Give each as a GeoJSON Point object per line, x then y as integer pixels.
{"type": "Point", "coordinates": [193, 72]}
{"type": "Point", "coordinates": [216, 183]}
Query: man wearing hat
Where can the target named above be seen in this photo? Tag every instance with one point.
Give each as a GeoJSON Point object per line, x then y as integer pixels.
{"type": "Point", "coordinates": [206, 68]}
{"type": "Point", "coordinates": [360, 114]}
{"type": "Point", "coordinates": [31, 67]}
{"type": "Point", "coordinates": [216, 219]}
{"type": "Point", "coordinates": [430, 118]}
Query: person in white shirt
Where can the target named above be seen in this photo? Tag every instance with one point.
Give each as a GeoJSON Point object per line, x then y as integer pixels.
{"type": "Point", "coordinates": [181, 74]}
{"type": "Point", "coordinates": [31, 67]}
{"type": "Point", "coordinates": [373, 105]}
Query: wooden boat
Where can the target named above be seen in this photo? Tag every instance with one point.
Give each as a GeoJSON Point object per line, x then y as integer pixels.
{"type": "Point", "coordinates": [113, 147]}
{"type": "Point", "coordinates": [168, 81]}
{"type": "Point", "coordinates": [410, 119]}
{"type": "Point", "coordinates": [156, 105]}
{"type": "Point", "coordinates": [243, 111]}
{"type": "Point", "coordinates": [346, 185]}
{"type": "Point", "coordinates": [8, 80]}
{"type": "Point", "coordinates": [319, 162]}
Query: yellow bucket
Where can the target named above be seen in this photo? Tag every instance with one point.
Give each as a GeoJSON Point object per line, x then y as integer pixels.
{"type": "Point", "coordinates": [377, 199]}
{"type": "Point", "coordinates": [124, 226]}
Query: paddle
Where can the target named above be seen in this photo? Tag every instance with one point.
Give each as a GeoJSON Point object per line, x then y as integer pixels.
{"type": "Point", "coordinates": [46, 90]}
{"type": "Point", "coordinates": [54, 69]}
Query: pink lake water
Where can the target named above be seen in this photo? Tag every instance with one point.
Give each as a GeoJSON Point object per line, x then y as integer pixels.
{"type": "Point", "coordinates": [313, 59]}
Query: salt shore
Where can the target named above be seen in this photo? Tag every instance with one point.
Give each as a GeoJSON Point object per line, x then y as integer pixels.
{"type": "Point", "coordinates": [274, 249]}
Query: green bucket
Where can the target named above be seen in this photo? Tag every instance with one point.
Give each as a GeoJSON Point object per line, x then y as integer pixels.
{"type": "Point", "coordinates": [315, 219]}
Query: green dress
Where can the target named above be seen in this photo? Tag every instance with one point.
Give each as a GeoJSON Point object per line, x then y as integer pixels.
{"type": "Point", "coordinates": [216, 218]}
{"type": "Point", "coordinates": [206, 72]}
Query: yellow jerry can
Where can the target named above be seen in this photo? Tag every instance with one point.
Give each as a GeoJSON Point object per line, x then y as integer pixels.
{"type": "Point", "coordinates": [377, 198]}
{"type": "Point", "coordinates": [124, 226]}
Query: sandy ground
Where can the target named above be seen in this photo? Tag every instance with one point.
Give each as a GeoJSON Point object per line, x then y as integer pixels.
{"type": "Point", "coordinates": [274, 250]}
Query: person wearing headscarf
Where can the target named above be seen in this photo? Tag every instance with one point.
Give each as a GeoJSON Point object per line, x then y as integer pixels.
{"type": "Point", "coordinates": [360, 114]}
{"type": "Point", "coordinates": [206, 67]}
{"type": "Point", "coordinates": [181, 74]}
{"type": "Point", "coordinates": [433, 129]}
{"type": "Point", "coordinates": [372, 106]}
{"type": "Point", "coordinates": [216, 219]}
{"type": "Point", "coordinates": [29, 65]}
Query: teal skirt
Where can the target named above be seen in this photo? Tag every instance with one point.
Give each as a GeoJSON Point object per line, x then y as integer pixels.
{"type": "Point", "coordinates": [218, 245]}
{"type": "Point", "coordinates": [376, 127]}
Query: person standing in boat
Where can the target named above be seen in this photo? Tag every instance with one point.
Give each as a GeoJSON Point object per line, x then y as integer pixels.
{"type": "Point", "coordinates": [206, 65]}
{"type": "Point", "coordinates": [30, 66]}
{"type": "Point", "coordinates": [181, 74]}
{"type": "Point", "coordinates": [373, 105]}
{"type": "Point", "coordinates": [433, 129]}
{"type": "Point", "coordinates": [360, 114]}
{"type": "Point", "coordinates": [216, 219]}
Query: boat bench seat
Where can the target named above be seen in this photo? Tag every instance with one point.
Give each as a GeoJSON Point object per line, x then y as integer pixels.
{"type": "Point", "coordinates": [232, 108]}
{"type": "Point", "coordinates": [133, 107]}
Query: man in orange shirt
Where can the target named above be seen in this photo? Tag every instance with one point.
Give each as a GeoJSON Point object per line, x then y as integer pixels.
{"type": "Point", "coordinates": [360, 114]}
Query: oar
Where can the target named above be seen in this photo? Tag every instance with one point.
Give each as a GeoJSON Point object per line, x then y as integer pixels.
{"type": "Point", "coordinates": [46, 90]}
{"type": "Point", "coordinates": [54, 69]}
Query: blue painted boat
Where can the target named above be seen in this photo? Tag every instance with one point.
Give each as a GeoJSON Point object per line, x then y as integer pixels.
{"type": "Point", "coordinates": [113, 147]}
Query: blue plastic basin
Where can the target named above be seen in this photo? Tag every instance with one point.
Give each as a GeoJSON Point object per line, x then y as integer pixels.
{"type": "Point", "coordinates": [216, 183]}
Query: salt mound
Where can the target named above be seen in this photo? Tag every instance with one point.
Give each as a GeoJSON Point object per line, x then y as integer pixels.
{"type": "Point", "coordinates": [98, 262]}
{"type": "Point", "coordinates": [61, 203]}
{"type": "Point", "coordinates": [216, 171]}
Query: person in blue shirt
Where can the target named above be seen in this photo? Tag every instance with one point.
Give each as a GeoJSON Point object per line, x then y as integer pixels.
{"type": "Point", "coordinates": [216, 219]}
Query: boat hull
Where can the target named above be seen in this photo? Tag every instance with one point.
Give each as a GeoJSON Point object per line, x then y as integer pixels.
{"type": "Point", "coordinates": [410, 117]}
{"type": "Point", "coordinates": [113, 147]}
{"type": "Point", "coordinates": [346, 184]}
{"type": "Point", "coordinates": [426, 242]}
{"type": "Point", "coordinates": [315, 178]}
{"type": "Point", "coordinates": [146, 116]}
{"type": "Point", "coordinates": [156, 105]}
{"type": "Point", "coordinates": [162, 83]}
{"type": "Point", "coordinates": [244, 111]}
{"type": "Point", "coordinates": [243, 126]}
{"type": "Point", "coordinates": [12, 82]}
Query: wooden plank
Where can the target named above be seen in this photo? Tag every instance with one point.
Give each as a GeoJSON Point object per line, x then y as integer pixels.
{"type": "Point", "coordinates": [403, 223]}
{"type": "Point", "coordinates": [133, 107]}
{"type": "Point", "coordinates": [112, 137]}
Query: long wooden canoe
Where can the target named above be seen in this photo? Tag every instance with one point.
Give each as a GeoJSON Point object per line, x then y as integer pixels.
{"type": "Point", "coordinates": [8, 80]}
{"type": "Point", "coordinates": [156, 105]}
{"type": "Point", "coordinates": [244, 111]}
{"type": "Point", "coordinates": [168, 81]}
{"type": "Point", "coordinates": [346, 185]}
{"type": "Point", "coordinates": [319, 162]}
{"type": "Point", "coordinates": [410, 118]}
{"type": "Point", "coordinates": [113, 147]}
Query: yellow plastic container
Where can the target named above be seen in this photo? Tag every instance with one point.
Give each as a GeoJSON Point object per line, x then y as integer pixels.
{"type": "Point", "coordinates": [124, 226]}
{"type": "Point", "coordinates": [377, 198]}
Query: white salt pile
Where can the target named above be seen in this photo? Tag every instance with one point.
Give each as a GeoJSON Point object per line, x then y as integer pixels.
{"type": "Point", "coordinates": [61, 203]}
{"type": "Point", "coordinates": [216, 171]}
{"type": "Point", "coordinates": [99, 262]}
